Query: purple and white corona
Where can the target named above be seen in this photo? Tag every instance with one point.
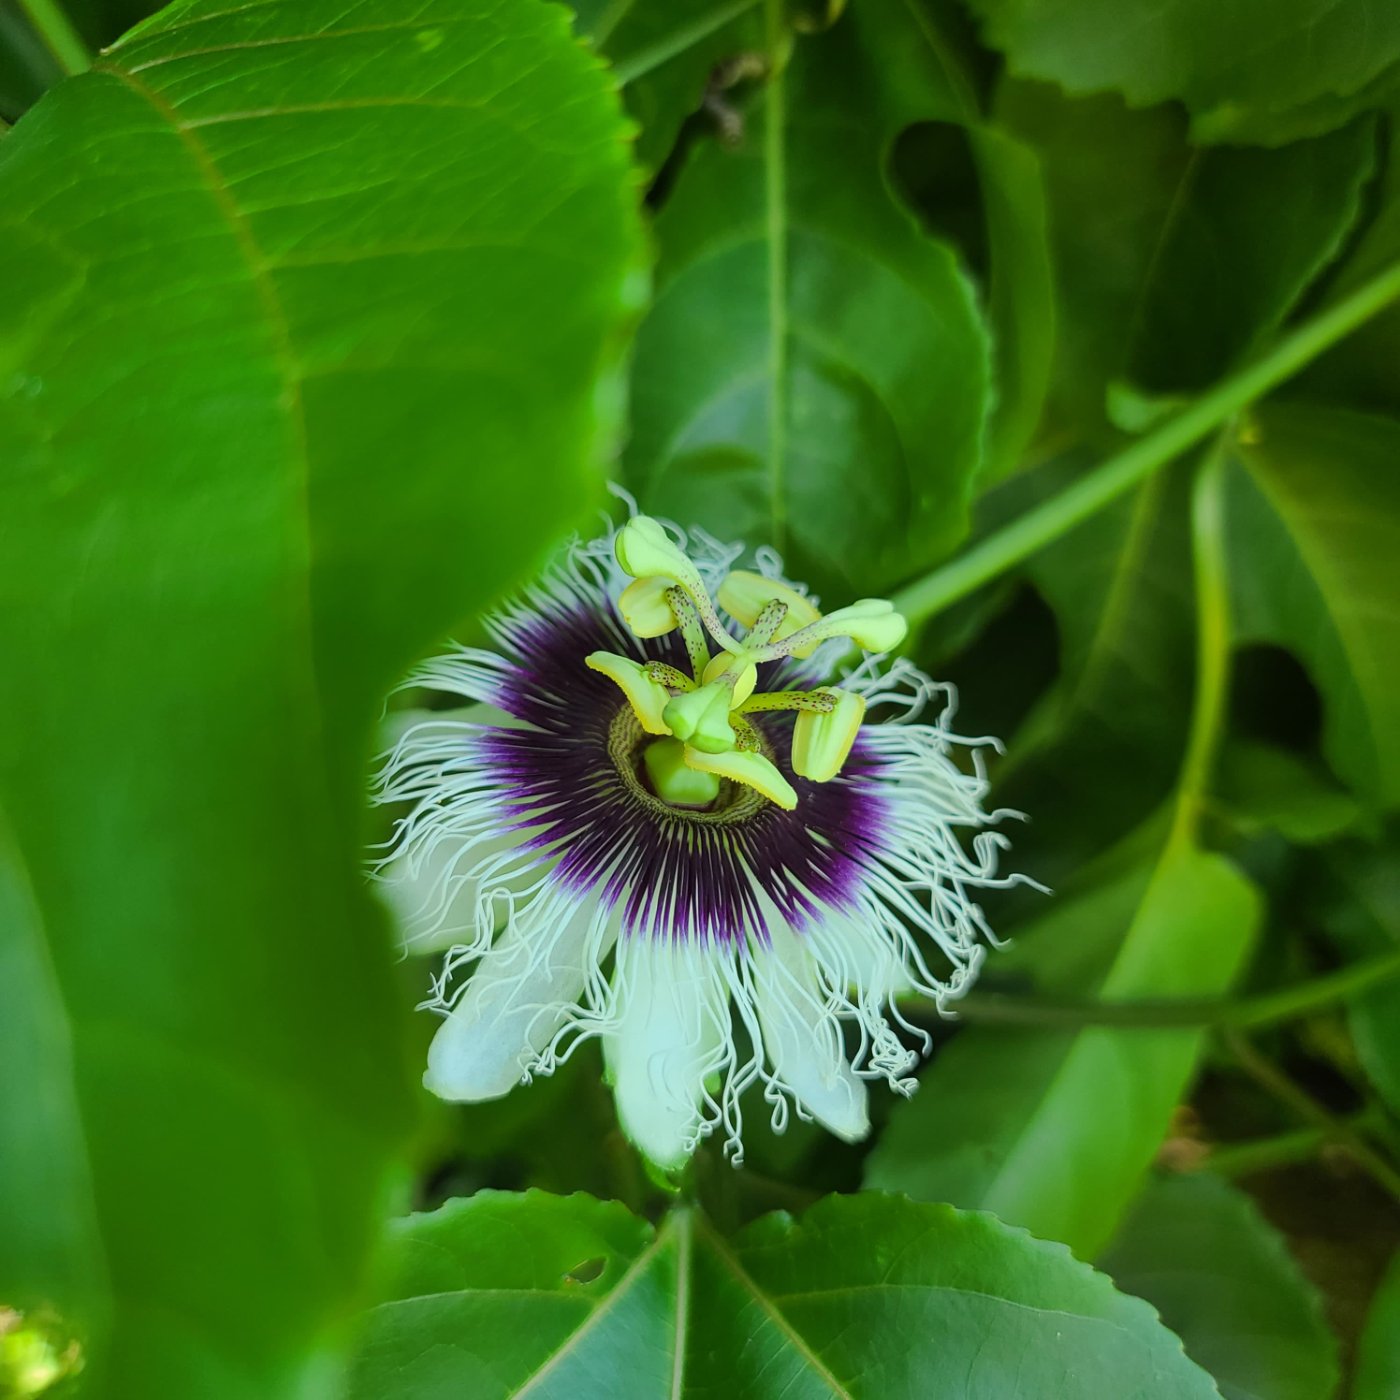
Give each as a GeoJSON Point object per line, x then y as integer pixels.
{"type": "Point", "coordinates": [662, 819]}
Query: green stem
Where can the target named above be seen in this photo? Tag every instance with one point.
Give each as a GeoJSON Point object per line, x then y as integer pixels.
{"type": "Point", "coordinates": [1212, 643]}
{"type": "Point", "coordinates": [1299, 1102]}
{"type": "Point", "coordinates": [58, 34]}
{"type": "Point", "coordinates": [1269, 1008]}
{"type": "Point", "coordinates": [1267, 1154]}
{"type": "Point", "coordinates": [1037, 528]}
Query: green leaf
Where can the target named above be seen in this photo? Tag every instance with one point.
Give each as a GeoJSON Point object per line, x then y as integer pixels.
{"type": "Point", "coordinates": [1053, 1130]}
{"type": "Point", "coordinates": [1315, 534]}
{"type": "Point", "coordinates": [1247, 232]}
{"type": "Point", "coordinates": [1198, 1250]}
{"type": "Point", "coordinates": [1265, 788]}
{"type": "Point", "coordinates": [1173, 263]}
{"type": "Point", "coordinates": [803, 323]}
{"type": "Point", "coordinates": [664, 52]}
{"type": "Point", "coordinates": [1103, 748]}
{"type": "Point", "coordinates": [1358, 903]}
{"type": "Point", "coordinates": [864, 1296]}
{"type": "Point", "coordinates": [1378, 1353]}
{"type": "Point", "coordinates": [1244, 72]}
{"type": "Point", "coordinates": [310, 314]}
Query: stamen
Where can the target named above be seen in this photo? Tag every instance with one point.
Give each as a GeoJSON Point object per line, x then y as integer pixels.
{"type": "Point", "coordinates": [648, 553]}
{"type": "Point", "coordinates": [692, 630]}
{"type": "Point", "coordinates": [768, 623]}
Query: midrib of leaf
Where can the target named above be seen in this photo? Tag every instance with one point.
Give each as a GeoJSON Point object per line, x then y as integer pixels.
{"type": "Point", "coordinates": [1114, 616]}
{"type": "Point", "coordinates": [776, 229]}
{"type": "Point", "coordinates": [279, 334]}
{"type": "Point", "coordinates": [959, 83]}
{"type": "Point", "coordinates": [685, 1230]}
{"type": "Point", "coordinates": [555, 1359]}
{"type": "Point", "coordinates": [794, 1339]}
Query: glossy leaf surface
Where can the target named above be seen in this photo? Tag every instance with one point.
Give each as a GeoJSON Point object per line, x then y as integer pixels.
{"type": "Point", "coordinates": [310, 307]}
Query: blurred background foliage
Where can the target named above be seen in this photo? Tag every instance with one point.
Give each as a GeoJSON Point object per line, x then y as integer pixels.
{"type": "Point", "coordinates": [921, 270]}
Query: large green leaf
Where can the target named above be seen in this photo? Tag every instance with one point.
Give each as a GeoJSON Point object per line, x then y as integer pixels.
{"type": "Point", "coordinates": [1315, 535]}
{"type": "Point", "coordinates": [1378, 1354]}
{"type": "Point", "coordinates": [865, 1296]}
{"type": "Point", "coordinates": [805, 328]}
{"type": "Point", "coordinates": [1244, 71]}
{"type": "Point", "coordinates": [1054, 1129]}
{"type": "Point", "coordinates": [1173, 262]}
{"type": "Point", "coordinates": [1221, 1276]}
{"type": "Point", "coordinates": [310, 310]}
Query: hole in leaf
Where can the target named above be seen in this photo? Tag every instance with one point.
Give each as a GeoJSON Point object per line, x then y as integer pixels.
{"type": "Point", "coordinates": [586, 1272]}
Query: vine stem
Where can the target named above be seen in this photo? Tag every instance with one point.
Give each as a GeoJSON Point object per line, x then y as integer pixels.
{"type": "Point", "coordinates": [1038, 527]}
{"type": "Point", "coordinates": [1273, 1080]}
{"type": "Point", "coordinates": [1268, 1008]}
{"type": "Point", "coordinates": [58, 34]}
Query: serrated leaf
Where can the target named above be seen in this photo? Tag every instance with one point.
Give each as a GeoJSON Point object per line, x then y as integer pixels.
{"type": "Point", "coordinates": [1221, 1277]}
{"type": "Point", "coordinates": [1242, 71]}
{"type": "Point", "coordinates": [1053, 1130]}
{"type": "Point", "coordinates": [864, 1296]}
{"type": "Point", "coordinates": [803, 323]}
{"type": "Point", "coordinates": [310, 311]}
{"type": "Point", "coordinates": [1315, 533]}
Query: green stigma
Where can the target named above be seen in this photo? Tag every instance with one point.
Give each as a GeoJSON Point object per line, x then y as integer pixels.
{"type": "Point", "coordinates": [699, 719]}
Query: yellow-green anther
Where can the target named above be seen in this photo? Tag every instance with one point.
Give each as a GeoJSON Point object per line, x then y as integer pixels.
{"type": "Point", "coordinates": [673, 780]}
{"type": "Point", "coordinates": [644, 550]}
{"type": "Point", "coordinates": [741, 675]}
{"type": "Point", "coordinates": [647, 698]}
{"type": "Point", "coordinates": [871, 623]}
{"type": "Point", "coordinates": [646, 607]}
{"type": "Point", "coordinates": [821, 741]}
{"type": "Point", "coordinates": [751, 769]}
{"type": "Point", "coordinates": [701, 718]}
{"type": "Point", "coordinates": [744, 595]}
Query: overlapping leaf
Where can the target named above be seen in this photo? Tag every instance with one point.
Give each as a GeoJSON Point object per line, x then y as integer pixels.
{"type": "Point", "coordinates": [1245, 72]}
{"type": "Point", "coordinates": [310, 311]}
{"type": "Point", "coordinates": [1053, 1130]}
{"type": "Point", "coordinates": [805, 329]}
{"type": "Point", "coordinates": [1220, 1275]}
{"type": "Point", "coordinates": [1315, 536]}
{"type": "Point", "coordinates": [864, 1296]}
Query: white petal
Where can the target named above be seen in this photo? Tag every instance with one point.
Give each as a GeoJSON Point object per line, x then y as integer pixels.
{"type": "Point", "coordinates": [802, 1038]}
{"type": "Point", "coordinates": [521, 993]}
{"type": "Point", "coordinates": [673, 1020]}
{"type": "Point", "coordinates": [433, 887]}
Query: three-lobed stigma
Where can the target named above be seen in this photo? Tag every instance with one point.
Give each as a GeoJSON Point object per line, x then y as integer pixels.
{"type": "Point", "coordinates": [699, 718]}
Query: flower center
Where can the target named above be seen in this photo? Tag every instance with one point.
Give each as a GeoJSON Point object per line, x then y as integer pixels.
{"type": "Point", "coordinates": [699, 720]}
